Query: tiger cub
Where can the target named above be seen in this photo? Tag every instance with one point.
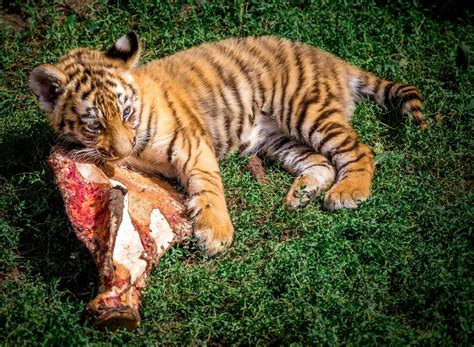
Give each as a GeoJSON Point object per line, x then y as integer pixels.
{"type": "Point", "coordinates": [178, 115]}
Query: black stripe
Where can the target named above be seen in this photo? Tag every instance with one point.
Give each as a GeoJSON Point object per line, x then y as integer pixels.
{"type": "Point", "coordinates": [86, 94]}
{"type": "Point", "coordinates": [344, 150]}
{"type": "Point", "coordinates": [230, 82]}
{"type": "Point", "coordinates": [74, 110]}
{"type": "Point", "coordinates": [70, 124]}
{"type": "Point", "coordinates": [74, 69]}
{"type": "Point", "coordinates": [303, 111]}
{"type": "Point", "coordinates": [301, 80]}
{"type": "Point", "coordinates": [88, 135]}
{"type": "Point", "coordinates": [243, 146]}
{"type": "Point", "coordinates": [272, 98]}
{"type": "Point", "coordinates": [194, 213]}
{"type": "Point", "coordinates": [218, 146]}
{"type": "Point", "coordinates": [333, 76]}
{"type": "Point", "coordinates": [205, 81]}
{"type": "Point", "coordinates": [255, 51]}
{"type": "Point", "coordinates": [169, 151]}
{"type": "Point", "coordinates": [289, 146]}
{"type": "Point", "coordinates": [218, 70]}
{"type": "Point", "coordinates": [284, 86]}
{"type": "Point", "coordinates": [74, 73]}
{"type": "Point", "coordinates": [62, 123]}
{"type": "Point", "coordinates": [303, 156]}
{"type": "Point", "coordinates": [329, 97]}
{"type": "Point", "coordinates": [134, 91]}
{"type": "Point", "coordinates": [330, 126]}
{"type": "Point", "coordinates": [414, 109]}
{"type": "Point", "coordinates": [149, 136]}
{"type": "Point", "coordinates": [359, 170]}
{"type": "Point", "coordinates": [387, 98]}
{"type": "Point", "coordinates": [276, 54]}
{"type": "Point", "coordinates": [358, 158]}
{"type": "Point", "coordinates": [317, 123]}
{"type": "Point", "coordinates": [258, 58]}
{"type": "Point", "coordinates": [240, 128]}
{"type": "Point", "coordinates": [204, 191]}
{"type": "Point", "coordinates": [328, 137]}
{"type": "Point", "coordinates": [205, 172]}
{"type": "Point", "coordinates": [405, 88]}
{"type": "Point", "coordinates": [376, 87]}
{"type": "Point", "coordinates": [110, 83]}
{"type": "Point", "coordinates": [409, 97]}
{"type": "Point", "coordinates": [210, 91]}
{"type": "Point", "coordinates": [227, 120]}
{"type": "Point", "coordinates": [191, 113]}
{"type": "Point", "coordinates": [276, 144]}
{"type": "Point", "coordinates": [201, 178]}
{"type": "Point", "coordinates": [80, 82]}
{"type": "Point", "coordinates": [244, 69]}
{"type": "Point", "coordinates": [68, 66]}
{"type": "Point", "coordinates": [247, 73]}
{"type": "Point", "coordinates": [326, 165]}
{"type": "Point", "coordinates": [271, 139]}
{"type": "Point", "coordinates": [346, 174]}
{"type": "Point", "coordinates": [261, 96]}
{"type": "Point", "coordinates": [95, 72]}
{"type": "Point", "coordinates": [185, 166]}
{"type": "Point", "coordinates": [287, 104]}
{"type": "Point", "coordinates": [346, 141]}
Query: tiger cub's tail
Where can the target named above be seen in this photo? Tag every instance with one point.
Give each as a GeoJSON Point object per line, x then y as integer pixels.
{"type": "Point", "coordinates": [407, 97]}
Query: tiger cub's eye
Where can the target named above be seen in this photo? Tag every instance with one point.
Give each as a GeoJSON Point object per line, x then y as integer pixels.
{"type": "Point", "coordinates": [126, 113]}
{"type": "Point", "coordinates": [95, 127]}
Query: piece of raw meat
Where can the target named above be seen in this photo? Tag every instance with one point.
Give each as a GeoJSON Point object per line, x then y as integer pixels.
{"type": "Point", "coordinates": [127, 221]}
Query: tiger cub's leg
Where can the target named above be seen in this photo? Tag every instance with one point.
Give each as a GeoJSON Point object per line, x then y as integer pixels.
{"type": "Point", "coordinates": [330, 134]}
{"type": "Point", "coordinates": [198, 170]}
{"type": "Point", "coordinates": [314, 173]}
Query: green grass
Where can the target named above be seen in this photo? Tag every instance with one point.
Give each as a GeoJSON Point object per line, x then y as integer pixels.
{"type": "Point", "coordinates": [399, 270]}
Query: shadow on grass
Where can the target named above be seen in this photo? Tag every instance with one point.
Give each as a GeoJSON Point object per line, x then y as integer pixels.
{"type": "Point", "coordinates": [440, 10]}
{"type": "Point", "coordinates": [33, 209]}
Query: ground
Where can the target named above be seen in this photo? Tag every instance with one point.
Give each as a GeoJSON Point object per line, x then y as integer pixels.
{"type": "Point", "coordinates": [396, 271]}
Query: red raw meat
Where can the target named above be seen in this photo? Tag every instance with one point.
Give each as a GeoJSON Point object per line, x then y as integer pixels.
{"type": "Point", "coordinates": [127, 221]}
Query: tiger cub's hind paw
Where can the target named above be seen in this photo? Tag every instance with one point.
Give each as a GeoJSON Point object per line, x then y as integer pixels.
{"type": "Point", "coordinates": [303, 189]}
{"type": "Point", "coordinates": [346, 194]}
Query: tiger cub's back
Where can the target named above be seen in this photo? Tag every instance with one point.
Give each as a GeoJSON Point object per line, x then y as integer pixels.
{"type": "Point", "coordinates": [230, 84]}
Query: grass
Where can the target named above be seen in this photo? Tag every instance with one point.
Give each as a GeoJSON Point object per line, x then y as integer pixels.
{"type": "Point", "coordinates": [399, 270]}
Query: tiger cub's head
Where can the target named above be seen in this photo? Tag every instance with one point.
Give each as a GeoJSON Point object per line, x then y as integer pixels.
{"type": "Point", "coordinates": [92, 100]}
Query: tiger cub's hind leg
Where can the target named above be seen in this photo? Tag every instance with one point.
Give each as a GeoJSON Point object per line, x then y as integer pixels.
{"type": "Point", "coordinates": [355, 169]}
{"type": "Point", "coordinates": [314, 173]}
{"type": "Point", "coordinates": [331, 134]}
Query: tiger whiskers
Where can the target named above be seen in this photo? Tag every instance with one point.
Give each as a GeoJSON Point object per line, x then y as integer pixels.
{"type": "Point", "coordinates": [141, 141]}
{"type": "Point", "coordinates": [86, 154]}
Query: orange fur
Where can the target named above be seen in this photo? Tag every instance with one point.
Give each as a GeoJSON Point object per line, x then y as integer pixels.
{"type": "Point", "coordinates": [258, 95]}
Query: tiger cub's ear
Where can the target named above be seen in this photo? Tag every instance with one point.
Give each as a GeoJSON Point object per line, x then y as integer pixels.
{"type": "Point", "coordinates": [126, 49]}
{"type": "Point", "coordinates": [47, 82]}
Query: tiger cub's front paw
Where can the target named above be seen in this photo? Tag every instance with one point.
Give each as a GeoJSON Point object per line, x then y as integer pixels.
{"type": "Point", "coordinates": [213, 237]}
{"type": "Point", "coordinates": [212, 226]}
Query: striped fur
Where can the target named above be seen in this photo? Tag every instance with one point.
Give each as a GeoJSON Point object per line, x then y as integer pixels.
{"type": "Point", "coordinates": [178, 115]}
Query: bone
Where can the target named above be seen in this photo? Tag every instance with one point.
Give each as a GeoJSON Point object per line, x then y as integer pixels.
{"type": "Point", "coordinates": [127, 221]}
{"type": "Point", "coordinates": [255, 166]}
